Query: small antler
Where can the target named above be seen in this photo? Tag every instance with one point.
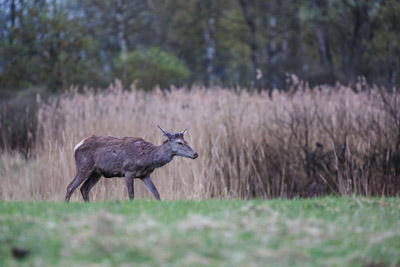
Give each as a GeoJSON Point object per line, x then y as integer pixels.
{"type": "Point", "coordinates": [184, 132]}
{"type": "Point", "coordinates": [164, 132]}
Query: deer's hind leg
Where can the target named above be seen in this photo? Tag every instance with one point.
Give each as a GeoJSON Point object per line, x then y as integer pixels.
{"type": "Point", "coordinates": [79, 178]}
{"type": "Point", "coordinates": [88, 185]}
{"type": "Point", "coordinates": [149, 184]}
{"type": "Point", "coordinates": [130, 185]}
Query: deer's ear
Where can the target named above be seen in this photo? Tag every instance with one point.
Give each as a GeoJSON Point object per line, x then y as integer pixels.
{"type": "Point", "coordinates": [184, 132]}
{"type": "Point", "coordinates": [164, 132]}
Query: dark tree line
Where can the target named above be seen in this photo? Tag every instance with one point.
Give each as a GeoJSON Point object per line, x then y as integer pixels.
{"type": "Point", "coordinates": [248, 43]}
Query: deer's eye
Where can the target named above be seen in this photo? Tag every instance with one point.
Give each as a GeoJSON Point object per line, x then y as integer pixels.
{"type": "Point", "coordinates": [180, 143]}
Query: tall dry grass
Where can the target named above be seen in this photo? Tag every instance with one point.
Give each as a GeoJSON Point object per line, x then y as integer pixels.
{"type": "Point", "coordinates": [304, 142]}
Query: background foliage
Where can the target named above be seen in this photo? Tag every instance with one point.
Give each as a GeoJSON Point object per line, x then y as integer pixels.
{"type": "Point", "coordinates": [151, 67]}
{"type": "Point", "coordinates": [337, 138]}
{"type": "Point", "coordinates": [58, 43]}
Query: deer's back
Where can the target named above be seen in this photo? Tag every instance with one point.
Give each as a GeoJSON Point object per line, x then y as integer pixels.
{"type": "Point", "coordinates": [110, 155]}
{"type": "Point", "coordinates": [96, 144]}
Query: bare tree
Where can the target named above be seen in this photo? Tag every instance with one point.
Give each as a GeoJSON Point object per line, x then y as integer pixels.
{"type": "Point", "coordinates": [209, 37]}
{"type": "Point", "coordinates": [322, 37]}
{"type": "Point", "coordinates": [247, 7]}
{"type": "Point", "coordinates": [119, 17]}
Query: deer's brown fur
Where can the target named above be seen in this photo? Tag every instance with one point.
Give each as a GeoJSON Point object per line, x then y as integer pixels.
{"type": "Point", "coordinates": [127, 157]}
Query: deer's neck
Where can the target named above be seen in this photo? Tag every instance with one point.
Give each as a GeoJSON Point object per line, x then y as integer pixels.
{"type": "Point", "coordinates": [162, 154]}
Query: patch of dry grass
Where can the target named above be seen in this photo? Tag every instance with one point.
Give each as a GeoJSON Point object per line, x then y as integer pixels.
{"type": "Point", "coordinates": [250, 144]}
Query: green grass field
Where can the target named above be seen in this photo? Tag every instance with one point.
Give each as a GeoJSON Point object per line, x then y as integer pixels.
{"type": "Point", "coordinates": [317, 232]}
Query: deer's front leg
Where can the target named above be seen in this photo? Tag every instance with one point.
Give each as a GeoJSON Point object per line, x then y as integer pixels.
{"type": "Point", "coordinates": [149, 184]}
{"type": "Point", "coordinates": [129, 185]}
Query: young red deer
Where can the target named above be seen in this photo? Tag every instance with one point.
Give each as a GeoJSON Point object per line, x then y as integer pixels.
{"type": "Point", "coordinates": [127, 156]}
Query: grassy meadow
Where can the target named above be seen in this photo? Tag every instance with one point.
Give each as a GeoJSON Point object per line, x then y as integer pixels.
{"type": "Point", "coordinates": [307, 142]}
{"type": "Point", "coordinates": [290, 172]}
{"type": "Point", "coordinates": [330, 231]}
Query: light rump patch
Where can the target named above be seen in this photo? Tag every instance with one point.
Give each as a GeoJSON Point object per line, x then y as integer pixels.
{"type": "Point", "coordinates": [79, 144]}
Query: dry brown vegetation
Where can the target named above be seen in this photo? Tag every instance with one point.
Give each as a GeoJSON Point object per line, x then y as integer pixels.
{"type": "Point", "coordinates": [304, 142]}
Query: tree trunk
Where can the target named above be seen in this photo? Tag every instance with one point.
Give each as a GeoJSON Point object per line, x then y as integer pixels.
{"type": "Point", "coordinates": [209, 36]}
{"type": "Point", "coordinates": [157, 24]}
{"type": "Point", "coordinates": [249, 18]}
{"type": "Point", "coordinates": [300, 37]}
{"type": "Point", "coordinates": [323, 44]}
{"type": "Point", "coordinates": [12, 12]}
{"type": "Point", "coordinates": [121, 28]}
{"type": "Point", "coordinates": [121, 34]}
{"type": "Point", "coordinates": [392, 67]}
{"type": "Point", "coordinates": [324, 54]}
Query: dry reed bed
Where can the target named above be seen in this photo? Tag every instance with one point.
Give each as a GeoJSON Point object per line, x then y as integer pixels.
{"type": "Point", "coordinates": [250, 144]}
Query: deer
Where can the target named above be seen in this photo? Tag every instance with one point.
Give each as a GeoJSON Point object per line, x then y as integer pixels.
{"type": "Point", "coordinates": [129, 157]}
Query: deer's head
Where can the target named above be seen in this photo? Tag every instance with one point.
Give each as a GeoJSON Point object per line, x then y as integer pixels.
{"type": "Point", "coordinates": [178, 144]}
